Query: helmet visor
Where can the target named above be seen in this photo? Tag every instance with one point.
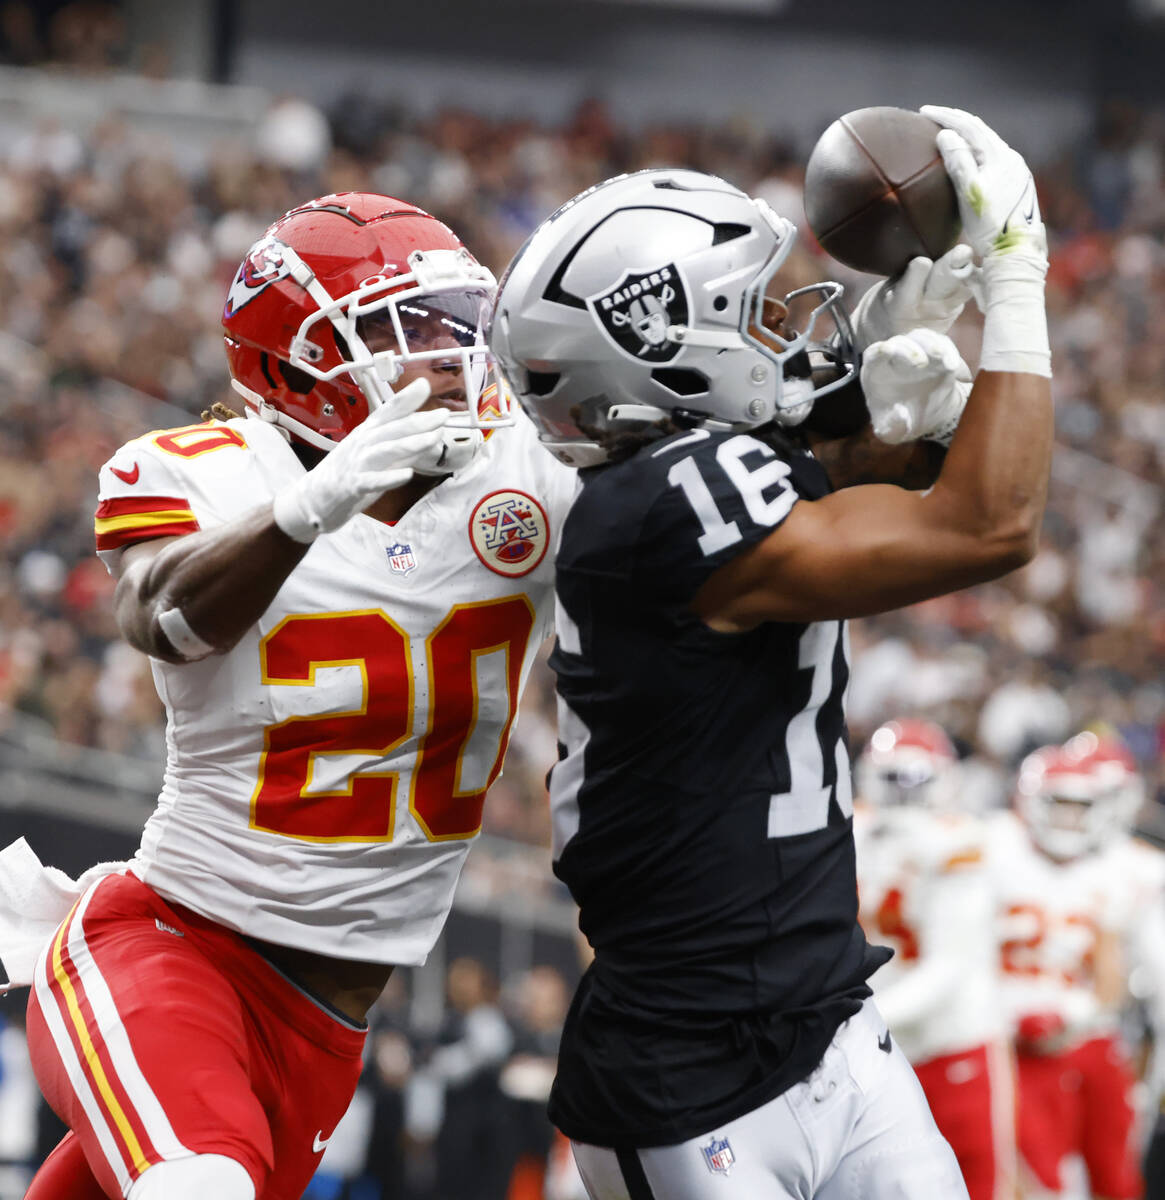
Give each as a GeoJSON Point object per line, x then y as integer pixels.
{"type": "Point", "coordinates": [441, 335]}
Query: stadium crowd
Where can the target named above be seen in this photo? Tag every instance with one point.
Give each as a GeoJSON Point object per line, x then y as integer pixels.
{"type": "Point", "coordinates": [115, 255]}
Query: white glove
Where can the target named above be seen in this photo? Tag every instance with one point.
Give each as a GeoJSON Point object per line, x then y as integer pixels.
{"type": "Point", "coordinates": [995, 189]}
{"type": "Point", "coordinates": [926, 295]}
{"type": "Point", "coordinates": [381, 453]}
{"type": "Point", "coordinates": [916, 386]}
{"type": "Point", "coordinates": [1001, 219]}
{"type": "Point", "coordinates": [458, 445]}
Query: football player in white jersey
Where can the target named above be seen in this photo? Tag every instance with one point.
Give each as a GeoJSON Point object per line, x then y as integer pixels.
{"type": "Point", "coordinates": [723, 1042]}
{"type": "Point", "coordinates": [342, 594]}
{"type": "Point", "coordinates": [1065, 911]}
{"type": "Point", "coordinates": [924, 890]}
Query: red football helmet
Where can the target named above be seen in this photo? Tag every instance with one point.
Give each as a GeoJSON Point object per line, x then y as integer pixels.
{"type": "Point", "coordinates": [1075, 796]}
{"type": "Point", "coordinates": [337, 297]}
{"type": "Point", "coordinates": [908, 762]}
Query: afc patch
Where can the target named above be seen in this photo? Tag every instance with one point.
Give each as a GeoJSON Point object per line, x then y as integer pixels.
{"type": "Point", "coordinates": [401, 559]}
{"type": "Point", "coordinates": [509, 532]}
{"type": "Point", "coordinates": [261, 268]}
{"type": "Point", "coordinates": [718, 1156]}
{"type": "Point", "coordinates": [636, 312]}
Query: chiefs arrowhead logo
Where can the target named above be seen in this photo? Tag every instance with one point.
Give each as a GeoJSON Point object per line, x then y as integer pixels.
{"type": "Point", "coordinates": [261, 268]}
{"type": "Point", "coordinates": [130, 477]}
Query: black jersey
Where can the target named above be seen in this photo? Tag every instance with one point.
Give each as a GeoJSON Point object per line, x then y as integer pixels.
{"type": "Point", "coordinates": [702, 804]}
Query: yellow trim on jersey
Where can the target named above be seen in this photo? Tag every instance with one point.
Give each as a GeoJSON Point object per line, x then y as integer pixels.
{"type": "Point", "coordinates": [162, 516]}
{"type": "Point", "coordinates": [140, 1162]}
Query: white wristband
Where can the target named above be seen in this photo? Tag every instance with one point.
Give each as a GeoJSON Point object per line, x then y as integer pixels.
{"type": "Point", "coordinates": [1015, 325]}
{"type": "Point", "coordinates": [291, 515]}
{"type": "Point", "coordinates": [178, 633]}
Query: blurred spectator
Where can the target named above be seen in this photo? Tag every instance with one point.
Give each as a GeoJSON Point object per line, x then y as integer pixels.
{"type": "Point", "coordinates": [451, 1103]}
{"type": "Point", "coordinates": [540, 1000]}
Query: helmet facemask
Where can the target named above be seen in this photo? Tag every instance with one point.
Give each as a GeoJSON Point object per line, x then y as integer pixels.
{"type": "Point", "coordinates": [1064, 822]}
{"type": "Point", "coordinates": [806, 331]}
{"type": "Point", "coordinates": [433, 314]}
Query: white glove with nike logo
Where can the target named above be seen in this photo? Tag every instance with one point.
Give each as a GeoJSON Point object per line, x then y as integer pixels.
{"type": "Point", "coordinates": [380, 454]}
{"type": "Point", "coordinates": [926, 295]}
{"type": "Point", "coordinates": [916, 386]}
{"type": "Point", "coordinates": [1001, 220]}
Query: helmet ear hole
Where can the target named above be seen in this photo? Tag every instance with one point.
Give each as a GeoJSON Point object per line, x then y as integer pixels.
{"type": "Point", "coordinates": [542, 383]}
{"type": "Point", "coordinates": [726, 231]}
{"type": "Point", "coordinates": [298, 381]}
{"type": "Point", "coordinates": [683, 381]}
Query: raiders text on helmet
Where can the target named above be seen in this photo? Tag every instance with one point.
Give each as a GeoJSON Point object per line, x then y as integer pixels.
{"type": "Point", "coordinates": [651, 295]}
{"type": "Point", "coordinates": [337, 298]}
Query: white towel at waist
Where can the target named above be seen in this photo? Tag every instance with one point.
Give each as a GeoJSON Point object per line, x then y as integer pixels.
{"type": "Point", "coordinates": [34, 900]}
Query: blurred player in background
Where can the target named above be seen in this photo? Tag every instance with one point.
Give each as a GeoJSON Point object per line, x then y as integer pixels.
{"type": "Point", "coordinates": [342, 594]}
{"type": "Point", "coordinates": [924, 890]}
{"type": "Point", "coordinates": [1067, 907]}
{"type": "Point", "coordinates": [702, 803]}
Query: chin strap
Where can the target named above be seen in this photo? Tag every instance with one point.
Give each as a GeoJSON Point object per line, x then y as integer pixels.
{"type": "Point", "coordinates": [259, 409]}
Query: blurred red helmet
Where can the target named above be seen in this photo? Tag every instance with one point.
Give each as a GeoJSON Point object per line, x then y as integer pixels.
{"type": "Point", "coordinates": [1076, 796]}
{"type": "Point", "coordinates": [337, 298]}
{"type": "Point", "coordinates": [908, 762]}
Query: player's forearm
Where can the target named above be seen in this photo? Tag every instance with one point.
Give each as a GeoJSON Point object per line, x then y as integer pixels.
{"type": "Point", "coordinates": [993, 484]}
{"type": "Point", "coordinates": [996, 473]}
{"type": "Point", "coordinates": [216, 584]}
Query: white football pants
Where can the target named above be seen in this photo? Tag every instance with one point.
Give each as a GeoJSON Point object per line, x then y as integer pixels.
{"type": "Point", "coordinates": [857, 1129]}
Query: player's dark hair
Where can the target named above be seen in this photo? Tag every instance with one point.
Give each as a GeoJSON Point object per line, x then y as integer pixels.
{"type": "Point", "coordinates": [218, 411]}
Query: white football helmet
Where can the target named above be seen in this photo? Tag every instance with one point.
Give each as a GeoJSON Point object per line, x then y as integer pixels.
{"type": "Point", "coordinates": [908, 762]}
{"type": "Point", "coordinates": [1075, 797]}
{"type": "Point", "coordinates": [656, 295]}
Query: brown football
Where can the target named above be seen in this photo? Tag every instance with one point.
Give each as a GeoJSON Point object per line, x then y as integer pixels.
{"type": "Point", "coordinates": [876, 192]}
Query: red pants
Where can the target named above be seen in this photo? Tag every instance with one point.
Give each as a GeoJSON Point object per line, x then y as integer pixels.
{"type": "Point", "coordinates": [971, 1095]}
{"type": "Point", "coordinates": [1079, 1102]}
{"type": "Point", "coordinates": [156, 1034]}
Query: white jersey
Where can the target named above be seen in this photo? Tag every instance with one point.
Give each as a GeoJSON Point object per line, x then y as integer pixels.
{"type": "Point", "coordinates": [924, 890]}
{"type": "Point", "coordinates": [1054, 921]}
{"type": "Point", "coordinates": [324, 777]}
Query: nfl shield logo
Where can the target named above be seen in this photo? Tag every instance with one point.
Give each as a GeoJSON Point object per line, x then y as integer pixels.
{"type": "Point", "coordinates": [718, 1155]}
{"type": "Point", "coordinates": [400, 559]}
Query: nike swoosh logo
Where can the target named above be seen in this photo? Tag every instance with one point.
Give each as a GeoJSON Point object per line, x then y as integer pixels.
{"type": "Point", "coordinates": [319, 1144]}
{"type": "Point", "coordinates": [130, 477]}
{"type": "Point", "coordinates": [884, 1043]}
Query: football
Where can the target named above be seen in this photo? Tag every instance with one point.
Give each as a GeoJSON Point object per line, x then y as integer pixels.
{"type": "Point", "coordinates": [877, 193]}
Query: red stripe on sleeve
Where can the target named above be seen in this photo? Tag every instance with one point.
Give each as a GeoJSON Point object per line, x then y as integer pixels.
{"type": "Point", "coordinates": [124, 506]}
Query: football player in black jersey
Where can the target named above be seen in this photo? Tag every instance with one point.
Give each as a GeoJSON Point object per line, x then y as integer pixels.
{"type": "Point", "coordinates": [723, 1041]}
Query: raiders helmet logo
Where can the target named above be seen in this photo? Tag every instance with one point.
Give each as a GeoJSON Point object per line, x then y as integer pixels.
{"type": "Point", "coordinates": [261, 268]}
{"type": "Point", "coordinates": [636, 312]}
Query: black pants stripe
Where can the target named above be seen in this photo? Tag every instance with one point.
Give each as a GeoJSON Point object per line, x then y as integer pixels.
{"type": "Point", "coordinates": [637, 1186]}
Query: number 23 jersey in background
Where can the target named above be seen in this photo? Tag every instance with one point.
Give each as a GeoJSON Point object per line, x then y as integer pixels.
{"type": "Point", "coordinates": [324, 777]}
{"type": "Point", "coordinates": [701, 802]}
